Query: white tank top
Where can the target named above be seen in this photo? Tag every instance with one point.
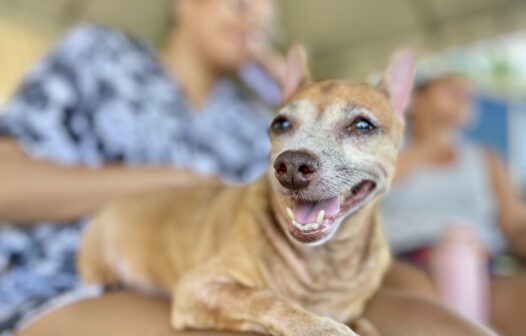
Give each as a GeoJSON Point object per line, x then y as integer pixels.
{"type": "Point", "coordinates": [423, 204]}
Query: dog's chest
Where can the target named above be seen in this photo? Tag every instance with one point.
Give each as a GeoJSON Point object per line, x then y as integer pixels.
{"type": "Point", "coordinates": [339, 291]}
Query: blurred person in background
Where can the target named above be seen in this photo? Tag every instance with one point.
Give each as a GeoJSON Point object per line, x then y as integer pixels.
{"type": "Point", "coordinates": [104, 116]}
{"type": "Point", "coordinates": [452, 210]}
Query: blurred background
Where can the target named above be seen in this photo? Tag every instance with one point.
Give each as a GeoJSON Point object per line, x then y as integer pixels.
{"type": "Point", "coordinates": [486, 39]}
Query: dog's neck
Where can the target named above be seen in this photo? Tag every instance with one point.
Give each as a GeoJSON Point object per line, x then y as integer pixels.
{"type": "Point", "coordinates": [352, 263]}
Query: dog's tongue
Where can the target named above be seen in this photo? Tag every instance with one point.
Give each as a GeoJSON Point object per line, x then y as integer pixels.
{"type": "Point", "coordinates": [306, 212]}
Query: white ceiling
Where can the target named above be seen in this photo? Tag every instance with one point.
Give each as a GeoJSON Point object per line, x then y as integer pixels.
{"type": "Point", "coordinates": [344, 37]}
{"type": "Point", "coordinates": [352, 37]}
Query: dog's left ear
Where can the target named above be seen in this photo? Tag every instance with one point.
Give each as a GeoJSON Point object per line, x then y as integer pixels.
{"type": "Point", "coordinates": [297, 70]}
{"type": "Point", "coordinates": [397, 81]}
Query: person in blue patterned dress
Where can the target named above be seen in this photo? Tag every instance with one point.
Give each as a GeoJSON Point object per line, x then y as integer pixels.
{"type": "Point", "coordinates": [103, 115]}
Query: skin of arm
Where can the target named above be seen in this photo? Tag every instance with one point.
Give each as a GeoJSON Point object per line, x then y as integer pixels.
{"type": "Point", "coordinates": [511, 209]}
{"type": "Point", "coordinates": [407, 161]}
{"type": "Point", "coordinates": [33, 191]}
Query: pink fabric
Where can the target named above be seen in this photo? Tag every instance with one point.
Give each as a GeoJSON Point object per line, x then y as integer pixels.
{"type": "Point", "coordinates": [458, 267]}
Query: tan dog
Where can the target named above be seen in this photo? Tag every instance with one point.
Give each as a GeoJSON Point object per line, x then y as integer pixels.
{"type": "Point", "coordinates": [283, 254]}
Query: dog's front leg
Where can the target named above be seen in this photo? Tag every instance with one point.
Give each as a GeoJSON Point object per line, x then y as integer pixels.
{"type": "Point", "coordinates": [364, 327]}
{"type": "Point", "coordinates": [225, 305]}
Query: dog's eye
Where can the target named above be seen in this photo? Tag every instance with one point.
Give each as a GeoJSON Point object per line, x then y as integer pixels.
{"type": "Point", "coordinates": [361, 125]}
{"type": "Point", "coordinates": [280, 124]}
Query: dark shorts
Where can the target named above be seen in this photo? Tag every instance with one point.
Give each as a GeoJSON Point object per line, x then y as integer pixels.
{"type": "Point", "coordinates": [501, 264]}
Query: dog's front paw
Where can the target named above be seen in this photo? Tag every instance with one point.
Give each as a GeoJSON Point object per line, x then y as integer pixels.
{"type": "Point", "coordinates": [329, 327]}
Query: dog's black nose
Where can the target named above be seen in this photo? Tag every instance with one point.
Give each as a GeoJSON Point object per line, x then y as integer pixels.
{"type": "Point", "coordinates": [296, 169]}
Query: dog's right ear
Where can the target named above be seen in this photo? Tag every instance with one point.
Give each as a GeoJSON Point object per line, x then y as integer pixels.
{"type": "Point", "coordinates": [397, 81]}
{"type": "Point", "coordinates": [297, 70]}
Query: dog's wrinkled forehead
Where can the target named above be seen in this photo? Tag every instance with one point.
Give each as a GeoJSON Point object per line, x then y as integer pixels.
{"type": "Point", "coordinates": [336, 99]}
{"type": "Point", "coordinates": [324, 94]}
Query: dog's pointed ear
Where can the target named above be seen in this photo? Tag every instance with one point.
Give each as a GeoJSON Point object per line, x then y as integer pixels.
{"type": "Point", "coordinates": [297, 70]}
{"type": "Point", "coordinates": [398, 78]}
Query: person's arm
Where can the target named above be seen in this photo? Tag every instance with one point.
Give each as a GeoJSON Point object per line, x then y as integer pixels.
{"type": "Point", "coordinates": [32, 191]}
{"type": "Point", "coordinates": [53, 117]}
{"type": "Point", "coordinates": [511, 209]}
{"type": "Point", "coordinates": [410, 158]}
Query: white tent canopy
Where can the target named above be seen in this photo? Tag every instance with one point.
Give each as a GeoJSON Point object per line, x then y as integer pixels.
{"type": "Point", "coordinates": [353, 37]}
{"type": "Point", "coordinates": [345, 37]}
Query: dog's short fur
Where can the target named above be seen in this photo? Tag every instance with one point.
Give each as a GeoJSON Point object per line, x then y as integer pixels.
{"type": "Point", "coordinates": [258, 258]}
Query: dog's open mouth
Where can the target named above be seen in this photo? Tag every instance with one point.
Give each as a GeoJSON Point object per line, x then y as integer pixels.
{"type": "Point", "coordinates": [311, 221]}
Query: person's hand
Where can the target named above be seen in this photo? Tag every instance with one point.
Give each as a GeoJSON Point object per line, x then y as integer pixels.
{"type": "Point", "coordinates": [269, 59]}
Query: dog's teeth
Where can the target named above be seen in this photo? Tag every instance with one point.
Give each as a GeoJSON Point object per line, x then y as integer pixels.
{"type": "Point", "coordinates": [296, 224]}
{"type": "Point", "coordinates": [301, 227]}
{"type": "Point", "coordinates": [305, 227]}
{"type": "Point", "coordinates": [290, 213]}
{"type": "Point", "coordinates": [319, 218]}
{"type": "Point", "coordinates": [310, 226]}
